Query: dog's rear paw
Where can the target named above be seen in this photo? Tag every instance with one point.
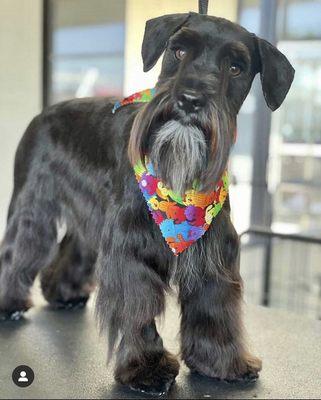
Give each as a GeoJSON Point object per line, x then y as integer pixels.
{"type": "Point", "coordinates": [65, 295]}
{"type": "Point", "coordinates": [11, 315]}
{"type": "Point", "coordinates": [71, 304]}
{"type": "Point", "coordinates": [15, 311]}
{"type": "Point", "coordinates": [154, 379]}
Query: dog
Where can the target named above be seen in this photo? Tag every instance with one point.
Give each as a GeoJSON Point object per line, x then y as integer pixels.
{"type": "Point", "coordinates": [74, 165]}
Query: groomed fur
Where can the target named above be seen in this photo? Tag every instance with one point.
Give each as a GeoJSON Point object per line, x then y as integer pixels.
{"type": "Point", "coordinates": [74, 165]}
{"type": "Point", "coordinates": [214, 126]}
{"type": "Point", "coordinates": [179, 154]}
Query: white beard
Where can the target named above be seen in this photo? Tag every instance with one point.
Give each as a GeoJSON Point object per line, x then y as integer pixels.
{"type": "Point", "coordinates": [179, 155]}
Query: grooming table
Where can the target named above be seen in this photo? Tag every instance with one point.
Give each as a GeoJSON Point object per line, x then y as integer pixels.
{"type": "Point", "coordinates": [69, 359]}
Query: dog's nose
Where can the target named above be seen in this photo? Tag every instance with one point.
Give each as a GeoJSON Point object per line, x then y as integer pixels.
{"type": "Point", "coordinates": [190, 102]}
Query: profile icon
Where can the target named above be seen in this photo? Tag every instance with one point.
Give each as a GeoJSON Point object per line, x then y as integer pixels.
{"type": "Point", "coordinates": [23, 376]}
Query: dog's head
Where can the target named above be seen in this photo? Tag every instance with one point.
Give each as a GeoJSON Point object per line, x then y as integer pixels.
{"type": "Point", "coordinates": [187, 130]}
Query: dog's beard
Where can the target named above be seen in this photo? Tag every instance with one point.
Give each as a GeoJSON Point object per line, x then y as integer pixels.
{"type": "Point", "coordinates": [183, 152]}
{"type": "Point", "coordinates": [179, 155]}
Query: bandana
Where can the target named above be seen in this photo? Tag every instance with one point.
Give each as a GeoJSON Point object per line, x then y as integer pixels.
{"type": "Point", "coordinates": [182, 219]}
{"type": "Point", "coordinates": [140, 97]}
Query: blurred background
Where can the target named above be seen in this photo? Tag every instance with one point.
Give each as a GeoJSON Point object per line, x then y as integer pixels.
{"type": "Point", "coordinates": [52, 50]}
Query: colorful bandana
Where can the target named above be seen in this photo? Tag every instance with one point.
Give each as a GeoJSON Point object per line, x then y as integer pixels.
{"type": "Point", "coordinates": [140, 97]}
{"type": "Point", "coordinates": [181, 219]}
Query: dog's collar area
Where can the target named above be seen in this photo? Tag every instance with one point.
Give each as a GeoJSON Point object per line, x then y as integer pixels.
{"type": "Point", "coordinates": [182, 219]}
{"type": "Point", "coordinates": [140, 97]}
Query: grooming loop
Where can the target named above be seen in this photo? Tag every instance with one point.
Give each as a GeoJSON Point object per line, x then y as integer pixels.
{"type": "Point", "coordinates": [202, 6]}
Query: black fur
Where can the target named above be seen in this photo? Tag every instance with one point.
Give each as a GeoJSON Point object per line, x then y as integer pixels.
{"type": "Point", "coordinates": [73, 165]}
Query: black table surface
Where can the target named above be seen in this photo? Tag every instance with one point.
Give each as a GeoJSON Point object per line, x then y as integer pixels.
{"type": "Point", "coordinates": [69, 358]}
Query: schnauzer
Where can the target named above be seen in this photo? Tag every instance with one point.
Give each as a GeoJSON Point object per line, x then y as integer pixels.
{"type": "Point", "coordinates": [74, 165]}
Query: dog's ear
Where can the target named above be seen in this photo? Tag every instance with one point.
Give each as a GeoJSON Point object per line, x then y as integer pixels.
{"type": "Point", "coordinates": [276, 74]}
{"type": "Point", "coordinates": [157, 32]}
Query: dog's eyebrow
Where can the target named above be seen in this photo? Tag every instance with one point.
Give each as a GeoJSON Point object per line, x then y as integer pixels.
{"type": "Point", "coordinates": [237, 50]}
{"type": "Point", "coordinates": [187, 38]}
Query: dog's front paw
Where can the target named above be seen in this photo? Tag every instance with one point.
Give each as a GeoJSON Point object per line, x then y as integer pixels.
{"type": "Point", "coordinates": [154, 379]}
{"type": "Point", "coordinates": [245, 369]}
{"type": "Point", "coordinates": [253, 366]}
{"type": "Point", "coordinates": [156, 389]}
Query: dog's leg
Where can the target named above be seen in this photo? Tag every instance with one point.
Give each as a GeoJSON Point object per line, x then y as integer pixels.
{"type": "Point", "coordinates": [68, 281]}
{"type": "Point", "coordinates": [211, 326]}
{"type": "Point", "coordinates": [143, 364]}
{"type": "Point", "coordinates": [30, 243]}
{"type": "Point", "coordinates": [130, 296]}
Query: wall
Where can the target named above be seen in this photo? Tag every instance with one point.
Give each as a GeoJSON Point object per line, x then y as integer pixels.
{"type": "Point", "coordinates": [20, 80]}
{"type": "Point", "coordinates": [137, 13]}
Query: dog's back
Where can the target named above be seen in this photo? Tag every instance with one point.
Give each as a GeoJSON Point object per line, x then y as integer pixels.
{"type": "Point", "coordinates": [63, 171]}
{"type": "Point", "coordinates": [72, 142]}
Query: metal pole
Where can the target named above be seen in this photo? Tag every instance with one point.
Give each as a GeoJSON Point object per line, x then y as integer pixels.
{"type": "Point", "coordinates": [261, 208]}
{"type": "Point", "coordinates": [261, 202]}
{"type": "Point", "coordinates": [267, 273]}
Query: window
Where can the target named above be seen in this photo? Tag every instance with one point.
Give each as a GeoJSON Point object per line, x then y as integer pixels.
{"type": "Point", "coordinates": [296, 128]}
{"type": "Point", "coordinates": [295, 147]}
{"type": "Point", "coordinates": [294, 167]}
{"type": "Point", "coordinates": [296, 143]}
{"type": "Point", "coordinates": [299, 19]}
{"type": "Point", "coordinates": [249, 15]}
{"type": "Point", "coordinates": [85, 48]}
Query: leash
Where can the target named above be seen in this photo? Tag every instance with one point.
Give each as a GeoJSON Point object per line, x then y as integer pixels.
{"type": "Point", "coordinates": [202, 6]}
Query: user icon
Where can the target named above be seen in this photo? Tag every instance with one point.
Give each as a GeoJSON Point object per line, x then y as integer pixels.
{"type": "Point", "coordinates": [23, 377]}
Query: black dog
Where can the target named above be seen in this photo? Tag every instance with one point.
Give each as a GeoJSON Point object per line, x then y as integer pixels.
{"type": "Point", "coordinates": [74, 164]}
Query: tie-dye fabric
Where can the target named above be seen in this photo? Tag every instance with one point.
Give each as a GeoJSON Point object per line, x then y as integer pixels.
{"type": "Point", "coordinates": [181, 219]}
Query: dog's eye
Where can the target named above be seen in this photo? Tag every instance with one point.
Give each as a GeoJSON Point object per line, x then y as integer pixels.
{"type": "Point", "coordinates": [180, 54]}
{"type": "Point", "coordinates": [235, 69]}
